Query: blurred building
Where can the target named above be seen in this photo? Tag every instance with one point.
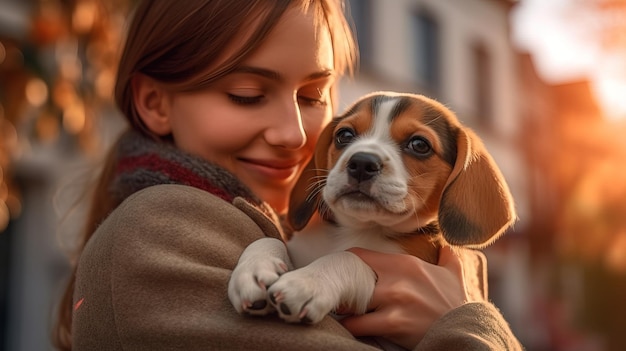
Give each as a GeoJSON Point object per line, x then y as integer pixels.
{"type": "Point", "coordinates": [577, 235]}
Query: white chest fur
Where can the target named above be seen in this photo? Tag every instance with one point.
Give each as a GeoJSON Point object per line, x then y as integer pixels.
{"type": "Point", "coordinates": [324, 238]}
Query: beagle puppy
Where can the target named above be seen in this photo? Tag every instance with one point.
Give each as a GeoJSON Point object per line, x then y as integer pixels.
{"type": "Point", "coordinates": [395, 173]}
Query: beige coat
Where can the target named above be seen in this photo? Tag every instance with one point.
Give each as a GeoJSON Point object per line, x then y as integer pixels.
{"type": "Point", "coordinates": [154, 277]}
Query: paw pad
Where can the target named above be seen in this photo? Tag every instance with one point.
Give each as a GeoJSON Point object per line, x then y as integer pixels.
{"type": "Point", "coordinates": [258, 305]}
{"type": "Point", "coordinates": [285, 309]}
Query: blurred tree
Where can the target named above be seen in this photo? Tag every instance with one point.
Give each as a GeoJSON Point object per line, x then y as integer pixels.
{"type": "Point", "coordinates": [54, 82]}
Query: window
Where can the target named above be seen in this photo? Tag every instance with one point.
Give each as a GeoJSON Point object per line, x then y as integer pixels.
{"type": "Point", "coordinates": [361, 12]}
{"type": "Point", "coordinates": [427, 35]}
{"type": "Point", "coordinates": [482, 89]}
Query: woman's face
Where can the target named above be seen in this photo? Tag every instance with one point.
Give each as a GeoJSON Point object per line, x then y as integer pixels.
{"type": "Point", "coordinates": [262, 121]}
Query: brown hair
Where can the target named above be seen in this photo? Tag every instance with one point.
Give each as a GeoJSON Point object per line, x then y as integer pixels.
{"type": "Point", "coordinates": [181, 43]}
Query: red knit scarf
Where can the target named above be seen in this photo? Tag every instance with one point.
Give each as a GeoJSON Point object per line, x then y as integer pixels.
{"type": "Point", "coordinates": [143, 162]}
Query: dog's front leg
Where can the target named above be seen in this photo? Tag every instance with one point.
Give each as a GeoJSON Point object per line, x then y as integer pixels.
{"type": "Point", "coordinates": [259, 266]}
{"type": "Point", "coordinates": [311, 292]}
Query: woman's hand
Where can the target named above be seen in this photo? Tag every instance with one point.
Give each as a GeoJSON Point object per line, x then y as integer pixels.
{"type": "Point", "coordinates": [409, 296]}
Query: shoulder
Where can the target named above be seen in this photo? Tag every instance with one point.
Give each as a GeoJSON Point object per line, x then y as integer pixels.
{"type": "Point", "coordinates": [180, 207]}
{"type": "Point", "coordinates": [178, 220]}
{"type": "Point", "coordinates": [186, 204]}
{"type": "Point", "coordinates": [171, 197]}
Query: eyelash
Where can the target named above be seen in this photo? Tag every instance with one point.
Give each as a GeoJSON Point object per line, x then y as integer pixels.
{"type": "Point", "coordinates": [313, 102]}
{"type": "Point", "coordinates": [252, 100]}
{"type": "Point", "coordinates": [245, 100]}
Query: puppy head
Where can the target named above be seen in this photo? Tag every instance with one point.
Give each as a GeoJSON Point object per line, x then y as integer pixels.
{"type": "Point", "coordinates": [402, 162]}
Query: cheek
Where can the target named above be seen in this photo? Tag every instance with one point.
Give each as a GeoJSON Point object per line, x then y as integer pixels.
{"type": "Point", "coordinates": [198, 127]}
{"type": "Point", "coordinates": [428, 176]}
{"type": "Point", "coordinates": [426, 186]}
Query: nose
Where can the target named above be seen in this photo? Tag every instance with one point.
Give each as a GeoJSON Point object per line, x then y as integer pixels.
{"type": "Point", "coordinates": [364, 166]}
{"type": "Point", "coordinates": [287, 129]}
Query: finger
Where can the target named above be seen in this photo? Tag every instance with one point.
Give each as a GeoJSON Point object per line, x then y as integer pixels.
{"type": "Point", "coordinates": [388, 264]}
{"type": "Point", "coordinates": [363, 325]}
{"type": "Point", "coordinates": [376, 260]}
{"type": "Point", "coordinates": [450, 259]}
{"type": "Point", "coordinates": [396, 332]}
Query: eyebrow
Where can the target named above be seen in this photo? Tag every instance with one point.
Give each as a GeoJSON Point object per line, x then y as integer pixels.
{"type": "Point", "coordinates": [273, 75]}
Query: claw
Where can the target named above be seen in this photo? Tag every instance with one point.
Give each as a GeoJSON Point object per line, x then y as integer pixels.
{"type": "Point", "coordinates": [303, 314]}
{"type": "Point", "coordinates": [283, 266]}
{"type": "Point", "coordinates": [276, 298]}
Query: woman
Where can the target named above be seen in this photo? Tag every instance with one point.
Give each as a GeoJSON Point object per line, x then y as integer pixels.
{"type": "Point", "coordinates": [225, 101]}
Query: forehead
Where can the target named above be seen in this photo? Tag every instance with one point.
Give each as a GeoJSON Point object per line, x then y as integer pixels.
{"type": "Point", "coordinates": [402, 116]}
{"type": "Point", "coordinates": [298, 41]}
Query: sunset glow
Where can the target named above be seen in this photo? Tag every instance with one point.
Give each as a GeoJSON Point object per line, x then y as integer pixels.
{"type": "Point", "coordinates": [574, 40]}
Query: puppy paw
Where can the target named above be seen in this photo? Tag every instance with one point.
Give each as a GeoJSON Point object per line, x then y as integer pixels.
{"type": "Point", "coordinates": [247, 288]}
{"type": "Point", "coordinates": [300, 297]}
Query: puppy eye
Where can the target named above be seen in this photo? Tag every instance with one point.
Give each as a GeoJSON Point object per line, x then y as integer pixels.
{"type": "Point", "coordinates": [419, 146]}
{"type": "Point", "coordinates": [343, 137]}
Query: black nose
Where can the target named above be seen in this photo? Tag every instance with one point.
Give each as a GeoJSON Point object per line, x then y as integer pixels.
{"type": "Point", "coordinates": [363, 166]}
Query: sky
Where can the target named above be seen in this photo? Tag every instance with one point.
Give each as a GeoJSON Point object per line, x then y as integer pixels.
{"type": "Point", "coordinates": [564, 38]}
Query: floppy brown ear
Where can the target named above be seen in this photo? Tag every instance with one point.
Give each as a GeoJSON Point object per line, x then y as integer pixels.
{"type": "Point", "coordinates": [305, 196]}
{"type": "Point", "coordinates": [476, 206]}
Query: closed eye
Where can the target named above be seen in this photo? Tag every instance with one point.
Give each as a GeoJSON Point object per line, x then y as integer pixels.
{"type": "Point", "coordinates": [313, 101]}
{"type": "Point", "coordinates": [245, 100]}
{"type": "Point", "coordinates": [315, 94]}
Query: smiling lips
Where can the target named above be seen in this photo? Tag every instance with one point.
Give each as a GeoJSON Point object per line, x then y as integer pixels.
{"type": "Point", "coordinates": [278, 170]}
